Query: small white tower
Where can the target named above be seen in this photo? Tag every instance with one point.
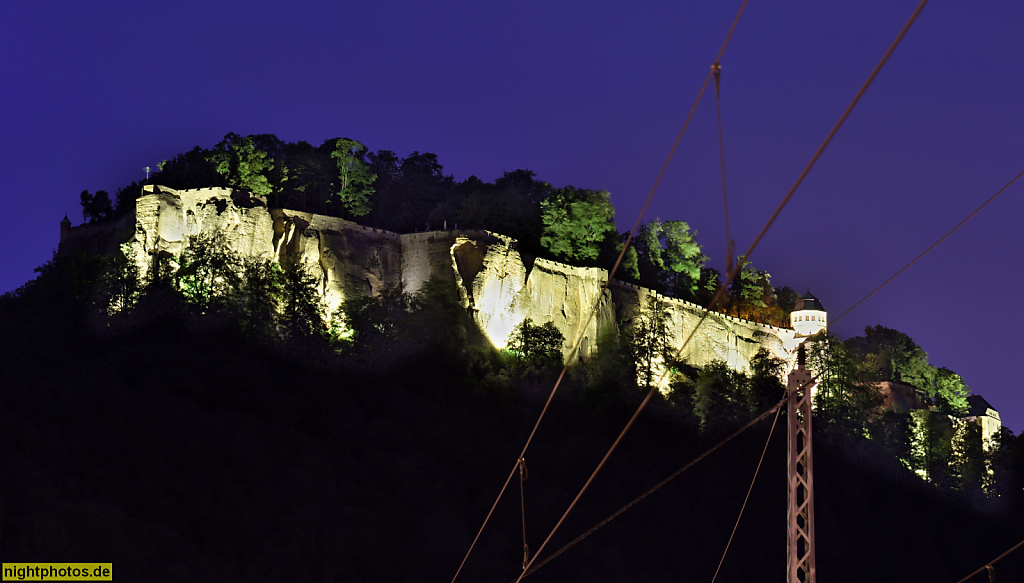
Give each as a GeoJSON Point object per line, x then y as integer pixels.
{"type": "Point", "coordinates": [808, 317]}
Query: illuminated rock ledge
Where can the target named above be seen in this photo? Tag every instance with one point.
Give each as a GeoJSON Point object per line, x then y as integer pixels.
{"type": "Point", "coordinates": [499, 287]}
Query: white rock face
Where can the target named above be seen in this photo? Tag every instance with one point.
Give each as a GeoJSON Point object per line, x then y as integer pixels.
{"type": "Point", "coordinates": [165, 218]}
{"type": "Point", "coordinates": [348, 259]}
{"type": "Point", "coordinates": [498, 286]}
{"type": "Point", "coordinates": [499, 289]}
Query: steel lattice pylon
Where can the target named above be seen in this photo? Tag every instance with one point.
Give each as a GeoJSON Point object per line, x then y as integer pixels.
{"type": "Point", "coordinates": [800, 566]}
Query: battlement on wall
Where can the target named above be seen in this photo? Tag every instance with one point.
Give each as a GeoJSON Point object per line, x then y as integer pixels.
{"type": "Point", "coordinates": [688, 305]}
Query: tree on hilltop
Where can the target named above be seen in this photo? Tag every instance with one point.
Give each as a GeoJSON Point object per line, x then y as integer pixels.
{"type": "Point", "coordinates": [751, 295]}
{"type": "Point", "coordinates": [887, 354]}
{"type": "Point", "coordinates": [353, 185]}
{"type": "Point", "coordinates": [951, 392]}
{"type": "Point", "coordinates": [411, 193]}
{"type": "Point", "coordinates": [510, 206]}
{"type": "Point", "coordinates": [242, 163]}
{"type": "Point", "coordinates": [576, 223]}
{"type": "Point", "coordinates": [670, 257]}
{"type": "Point", "coordinates": [96, 207]}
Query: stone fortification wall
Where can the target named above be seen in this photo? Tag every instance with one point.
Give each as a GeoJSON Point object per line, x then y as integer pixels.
{"type": "Point", "coordinates": [726, 338]}
{"type": "Point", "coordinates": [95, 239]}
{"type": "Point", "coordinates": [498, 286]}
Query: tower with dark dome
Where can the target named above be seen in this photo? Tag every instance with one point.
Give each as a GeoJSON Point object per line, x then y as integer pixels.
{"type": "Point", "coordinates": [809, 316]}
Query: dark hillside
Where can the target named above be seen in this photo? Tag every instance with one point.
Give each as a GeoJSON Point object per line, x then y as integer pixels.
{"type": "Point", "coordinates": [177, 448]}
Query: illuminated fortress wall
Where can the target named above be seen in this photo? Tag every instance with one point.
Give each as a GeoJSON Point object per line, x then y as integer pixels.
{"type": "Point", "coordinates": [498, 286]}
{"type": "Point", "coordinates": [726, 338]}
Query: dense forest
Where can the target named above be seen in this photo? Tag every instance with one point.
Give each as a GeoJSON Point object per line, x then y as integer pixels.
{"type": "Point", "coordinates": [214, 422]}
{"type": "Point", "coordinates": [380, 189]}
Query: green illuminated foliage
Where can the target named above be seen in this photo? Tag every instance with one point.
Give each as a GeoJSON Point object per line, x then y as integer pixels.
{"type": "Point", "coordinates": [209, 272]}
{"type": "Point", "coordinates": [931, 445]}
{"type": "Point", "coordinates": [951, 392]}
{"type": "Point", "coordinates": [672, 249]}
{"type": "Point", "coordinates": [751, 295]}
{"type": "Point", "coordinates": [887, 354]}
{"type": "Point", "coordinates": [710, 281]}
{"type": "Point", "coordinates": [630, 266]}
{"type": "Point", "coordinates": [648, 342]}
{"type": "Point", "coordinates": [576, 221]}
{"type": "Point", "coordinates": [353, 185]}
{"type": "Point", "coordinates": [842, 400]}
{"type": "Point", "coordinates": [242, 163]}
{"type": "Point", "coordinates": [121, 282]}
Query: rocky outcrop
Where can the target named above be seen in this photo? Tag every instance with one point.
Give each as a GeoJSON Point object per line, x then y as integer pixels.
{"type": "Point", "coordinates": [165, 218]}
{"type": "Point", "coordinates": [501, 289]}
{"type": "Point", "coordinates": [348, 259]}
{"type": "Point", "coordinates": [496, 284]}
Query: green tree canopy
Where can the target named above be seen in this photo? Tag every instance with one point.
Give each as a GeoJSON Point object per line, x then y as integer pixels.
{"type": "Point", "coordinates": [842, 400]}
{"type": "Point", "coordinates": [243, 163]}
{"type": "Point", "coordinates": [951, 392]}
{"type": "Point", "coordinates": [887, 354]}
{"type": "Point", "coordinates": [353, 185]}
{"type": "Point", "coordinates": [209, 272]}
{"type": "Point", "coordinates": [672, 249]}
{"type": "Point", "coordinates": [575, 223]}
{"type": "Point", "coordinates": [752, 296]}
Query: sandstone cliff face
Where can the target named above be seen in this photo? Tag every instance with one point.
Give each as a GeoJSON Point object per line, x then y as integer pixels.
{"type": "Point", "coordinates": [499, 287]}
{"type": "Point", "coordinates": [501, 291]}
{"type": "Point", "coordinates": [165, 218]}
{"type": "Point", "coordinates": [348, 260]}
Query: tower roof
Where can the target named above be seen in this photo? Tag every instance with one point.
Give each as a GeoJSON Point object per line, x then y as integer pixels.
{"type": "Point", "coordinates": [978, 406]}
{"type": "Point", "coordinates": [808, 302]}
